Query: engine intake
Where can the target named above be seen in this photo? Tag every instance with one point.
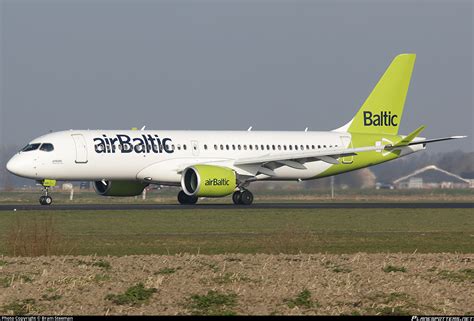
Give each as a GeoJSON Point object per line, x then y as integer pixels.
{"type": "Point", "coordinates": [208, 181]}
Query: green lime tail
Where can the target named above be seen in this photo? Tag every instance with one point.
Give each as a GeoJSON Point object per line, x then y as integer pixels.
{"type": "Point", "coordinates": [382, 111]}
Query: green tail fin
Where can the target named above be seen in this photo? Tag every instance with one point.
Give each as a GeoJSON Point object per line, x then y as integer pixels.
{"type": "Point", "coordinates": [382, 112]}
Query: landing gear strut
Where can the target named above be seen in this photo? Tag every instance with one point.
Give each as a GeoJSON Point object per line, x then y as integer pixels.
{"type": "Point", "coordinates": [45, 199]}
{"type": "Point", "coordinates": [185, 199]}
{"type": "Point", "coordinates": [243, 197]}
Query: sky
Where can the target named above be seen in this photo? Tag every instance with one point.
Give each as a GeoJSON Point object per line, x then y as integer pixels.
{"type": "Point", "coordinates": [273, 65]}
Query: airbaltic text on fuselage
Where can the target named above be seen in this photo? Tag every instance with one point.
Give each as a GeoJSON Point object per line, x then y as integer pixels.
{"type": "Point", "coordinates": [385, 118]}
{"type": "Point", "coordinates": [126, 144]}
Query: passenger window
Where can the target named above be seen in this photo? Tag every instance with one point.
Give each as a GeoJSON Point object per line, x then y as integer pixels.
{"type": "Point", "coordinates": [233, 146]}
{"type": "Point", "coordinates": [290, 147]}
{"type": "Point", "coordinates": [284, 147]}
{"type": "Point", "coordinates": [296, 147]}
{"type": "Point", "coordinates": [302, 147]}
{"type": "Point", "coordinates": [279, 147]}
{"type": "Point", "coordinates": [268, 147]}
{"type": "Point", "coordinates": [227, 147]}
{"type": "Point", "coordinates": [307, 146]}
{"type": "Point", "coordinates": [46, 147]}
{"type": "Point", "coordinates": [184, 146]}
{"type": "Point", "coordinates": [205, 146]}
{"type": "Point", "coordinates": [319, 146]}
{"type": "Point", "coordinates": [239, 147]}
{"type": "Point", "coordinates": [312, 146]}
{"type": "Point", "coordinates": [256, 147]}
{"type": "Point", "coordinates": [179, 146]}
{"type": "Point", "coordinates": [262, 147]}
{"type": "Point", "coordinates": [215, 147]}
{"type": "Point", "coordinates": [222, 147]}
{"type": "Point", "coordinates": [250, 147]}
{"type": "Point", "coordinates": [245, 147]}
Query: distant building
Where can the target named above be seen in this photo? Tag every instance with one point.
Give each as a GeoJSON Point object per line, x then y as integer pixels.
{"type": "Point", "coordinates": [432, 177]}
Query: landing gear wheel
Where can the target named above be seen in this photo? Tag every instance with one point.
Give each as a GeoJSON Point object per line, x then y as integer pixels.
{"type": "Point", "coordinates": [185, 199]}
{"type": "Point", "coordinates": [246, 198]}
{"type": "Point", "coordinates": [48, 200]}
{"type": "Point", "coordinates": [236, 198]}
{"type": "Point", "coordinates": [45, 200]}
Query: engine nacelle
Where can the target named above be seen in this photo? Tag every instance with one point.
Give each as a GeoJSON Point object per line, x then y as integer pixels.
{"type": "Point", "coordinates": [119, 188]}
{"type": "Point", "coordinates": [208, 181]}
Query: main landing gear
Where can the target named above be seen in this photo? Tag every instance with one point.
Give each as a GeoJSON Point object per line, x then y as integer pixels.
{"type": "Point", "coordinates": [185, 199]}
{"type": "Point", "coordinates": [243, 197]}
{"type": "Point", "coordinates": [45, 199]}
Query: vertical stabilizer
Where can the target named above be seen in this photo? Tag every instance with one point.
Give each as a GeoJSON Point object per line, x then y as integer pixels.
{"type": "Point", "coordinates": [382, 111]}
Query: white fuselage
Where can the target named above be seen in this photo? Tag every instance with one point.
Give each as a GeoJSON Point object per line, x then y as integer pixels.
{"type": "Point", "coordinates": [92, 155]}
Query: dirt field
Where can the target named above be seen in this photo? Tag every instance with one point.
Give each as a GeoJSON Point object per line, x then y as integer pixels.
{"type": "Point", "coordinates": [239, 284]}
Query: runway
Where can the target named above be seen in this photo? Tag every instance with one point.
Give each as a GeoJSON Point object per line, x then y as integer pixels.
{"type": "Point", "coordinates": [289, 206]}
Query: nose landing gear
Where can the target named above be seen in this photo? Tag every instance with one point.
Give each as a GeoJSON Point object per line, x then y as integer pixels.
{"type": "Point", "coordinates": [45, 199]}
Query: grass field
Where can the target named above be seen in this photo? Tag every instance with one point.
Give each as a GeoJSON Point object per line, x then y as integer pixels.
{"type": "Point", "coordinates": [237, 231]}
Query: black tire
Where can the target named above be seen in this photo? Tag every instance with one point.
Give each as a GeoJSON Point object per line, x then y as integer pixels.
{"type": "Point", "coordinates": [48, 200]}
{"type": "Point", "coordinates": [41, 200]}
{"type": "Point", "coordinates": [236, 198]}
{"type": "Point", "coordinates": [182, 198]}
{"type": "Point", "coordinates": [192, 200]}
{"type": "Point", "coordinates": [246, 198]}
{"type": "Point", "coordinates": [185, 199]}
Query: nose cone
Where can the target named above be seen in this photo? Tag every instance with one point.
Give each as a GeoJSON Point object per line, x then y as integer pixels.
{"type": "Point", "coordinates": [13, 165]}
{"type": "Point", "coordinates": [20, 166]}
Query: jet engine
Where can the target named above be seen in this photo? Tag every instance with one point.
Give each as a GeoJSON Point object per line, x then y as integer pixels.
{"type": "Point", "coordinates": [208, 181]}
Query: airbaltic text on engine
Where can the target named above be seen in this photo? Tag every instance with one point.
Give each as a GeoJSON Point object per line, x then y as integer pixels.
{"type": "Point", "coordinates": [384, 119]}
{"type": "Point", "coordinates": [125, 144]}
{"type": "Point", "coordinates": [217, 182]}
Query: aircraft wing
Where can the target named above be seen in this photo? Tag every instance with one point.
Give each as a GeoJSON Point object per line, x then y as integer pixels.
{"type": "Point", "coordinates": [422, 141]}
{"type": "Point", "coordinates": [328, 156]}
{"type": "Point", "coordinates": [435, 140]}
{"type": "Point", "coordinates": [297, 160]}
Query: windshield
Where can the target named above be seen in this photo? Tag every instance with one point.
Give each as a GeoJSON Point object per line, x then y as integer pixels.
{"type": "Point", "coordinates": [30, 147]}
{"type": "Point", "coordinates": [47, 147]}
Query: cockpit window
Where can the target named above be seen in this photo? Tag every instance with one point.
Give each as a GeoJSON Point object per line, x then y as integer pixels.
{"type": "Point", "coordinates": [47, 147]}
{"type": "Point", "coordinates": [30, 147]}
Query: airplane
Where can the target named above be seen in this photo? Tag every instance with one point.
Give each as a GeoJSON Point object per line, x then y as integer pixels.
{"type": "Point", "coordinates": [221, 163]}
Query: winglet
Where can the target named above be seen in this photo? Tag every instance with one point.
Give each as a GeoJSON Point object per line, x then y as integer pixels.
{"type": "Point", "coordinates": [405, 141]}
